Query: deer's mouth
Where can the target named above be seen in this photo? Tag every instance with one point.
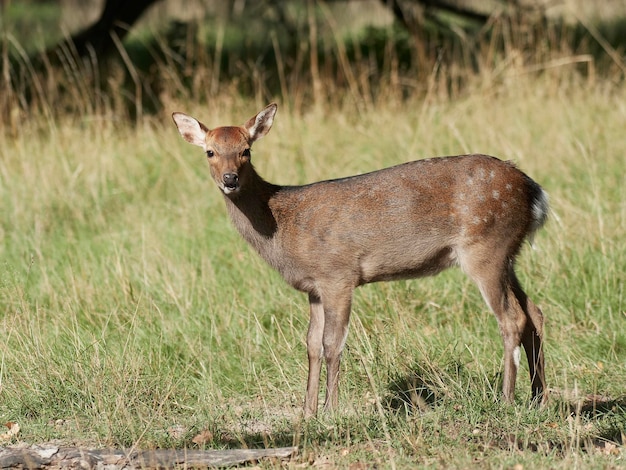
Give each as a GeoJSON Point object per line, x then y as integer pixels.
{"type": "Point", "coordinates": [230, 188]}
{"type": "Point", "coordinates": [230, 183]}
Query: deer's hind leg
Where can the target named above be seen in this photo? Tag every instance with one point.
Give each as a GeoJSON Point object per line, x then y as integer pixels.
{"type": "Point", "coordinates": [492, 271]}
{"type": "Point", "coordinates": [532, 339]}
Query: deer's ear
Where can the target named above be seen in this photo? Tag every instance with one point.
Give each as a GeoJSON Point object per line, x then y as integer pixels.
{"type": "Point", "coordinates": [261, 124]}
{"type": "Point", "coordinates": [192, 130]}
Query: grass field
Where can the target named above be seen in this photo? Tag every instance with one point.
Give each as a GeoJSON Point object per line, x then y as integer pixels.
{"type": "Point", "coordinates": [132, 314]}
{"type": "Point", "coordinates": [131, 309]}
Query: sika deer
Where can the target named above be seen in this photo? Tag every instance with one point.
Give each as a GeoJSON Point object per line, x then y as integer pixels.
{"type": "Point", "coordinates": [411, 220]}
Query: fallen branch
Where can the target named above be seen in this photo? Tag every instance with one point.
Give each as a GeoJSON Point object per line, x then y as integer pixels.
{"type": "Point", "coordinates": [35, 456]}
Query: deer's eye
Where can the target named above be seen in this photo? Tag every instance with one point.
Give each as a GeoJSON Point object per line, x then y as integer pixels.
{"type": "Point", "coordinates": [210, 153]}
{"type": "Point", "coordinates": [246, 153]}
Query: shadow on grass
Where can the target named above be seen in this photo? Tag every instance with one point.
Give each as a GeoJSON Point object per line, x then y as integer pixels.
{"type": "Point", "coordinates": [595, 406]}
{"type": "Point", "coordinates": [411, 393]}
{"type": "Point", "coordinates": [609, 415]}
{"type": "Point", "coordinates": [423, 386]}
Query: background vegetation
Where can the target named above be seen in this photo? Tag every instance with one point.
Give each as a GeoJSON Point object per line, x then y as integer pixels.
{"type": "Point", "coordinates": [131, 314]}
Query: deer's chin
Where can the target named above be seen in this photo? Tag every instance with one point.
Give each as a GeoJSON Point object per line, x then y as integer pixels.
{"type": "Point", "coordinates": [227, 190]}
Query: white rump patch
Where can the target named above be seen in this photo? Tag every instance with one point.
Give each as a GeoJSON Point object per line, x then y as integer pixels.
{"type": "Point", "coordinates": [540, 210]}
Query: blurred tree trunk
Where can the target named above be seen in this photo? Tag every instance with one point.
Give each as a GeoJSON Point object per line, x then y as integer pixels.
{"type": "Point", "coordinates": [410, 13]}
{"type": "Point", "coordinates": [117, 18]}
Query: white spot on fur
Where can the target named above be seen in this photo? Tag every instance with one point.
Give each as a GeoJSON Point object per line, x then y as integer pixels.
{"type": "Point", "coordinates": [517, 354]}
{"type": "Point", "coordinates": [495, 194]}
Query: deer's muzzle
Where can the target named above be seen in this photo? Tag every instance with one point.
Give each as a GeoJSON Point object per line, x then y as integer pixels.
{"type": "Point", "coordinates": [231, 182]}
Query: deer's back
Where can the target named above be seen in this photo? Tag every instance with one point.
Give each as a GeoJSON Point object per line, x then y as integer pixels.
{"type": "Point", "coordinates": [405, 221]}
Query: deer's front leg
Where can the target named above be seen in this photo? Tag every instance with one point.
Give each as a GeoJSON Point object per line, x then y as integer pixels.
{"type": "Point", "coordinates": [314, 351]}
{"type": "Point", "coordinates": [336, 320]}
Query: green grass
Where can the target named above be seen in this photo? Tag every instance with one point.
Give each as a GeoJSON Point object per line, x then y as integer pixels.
{"type": "Point", "coordinates": [30, 24]}
{"type": "Point", "coordinates": [129, 305]}
{"type": "Point", "coordinates": [130, 308]}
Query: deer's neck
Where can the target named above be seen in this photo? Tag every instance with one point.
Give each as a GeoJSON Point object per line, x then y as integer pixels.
{"type": "Point", "coordinates": [251, 214]}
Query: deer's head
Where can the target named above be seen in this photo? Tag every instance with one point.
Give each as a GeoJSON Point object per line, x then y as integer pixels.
{"type": "Point", "coordinates": [227, 148]}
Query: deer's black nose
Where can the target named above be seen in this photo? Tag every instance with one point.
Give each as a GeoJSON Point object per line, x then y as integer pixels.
{"type": "Point", "coordinates": [231, 180]}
